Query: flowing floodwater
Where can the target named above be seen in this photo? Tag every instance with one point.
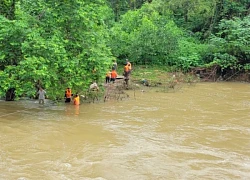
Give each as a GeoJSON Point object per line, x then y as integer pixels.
{"type": "Point", "coordinates": [198, 132]}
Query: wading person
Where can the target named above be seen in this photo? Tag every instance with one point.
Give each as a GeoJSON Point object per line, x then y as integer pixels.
{"type": "Point", "coordinates": [77, 100]}
{"type": "Point", "coordinates": [68, 95]}
{"type": "Point", "coordinates": [41, 96]}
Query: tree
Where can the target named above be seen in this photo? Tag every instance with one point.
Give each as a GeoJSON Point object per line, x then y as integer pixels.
{"type": "Point", "coordinates": [61, 43]}
{"type": "Point", "coordinates": [202, 16]}
{"type": "Point", "coordinates": [120, 7]}
{"type": "Point", "coordinates": [8, 8]}
{"type": "Point", "coordinates": [231, 43]}
{"type": "Point", "coordinates": [145, 36]}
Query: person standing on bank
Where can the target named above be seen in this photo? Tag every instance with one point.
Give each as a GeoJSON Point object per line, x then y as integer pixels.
{"type": "Point", "coordinates": [108, 77]}
{"type": "Point", "coordinates": [129, 65]}
{"type": "Point", "coordinates": [114, 65]}
{"type": "Point", "coordinates": [41, 96]}
{"type": "Point", "coordinates": [113, 75]}
{"type": "Point", "coordinates": [68, 94]}
{"type": "Point", "coordinates": [126, 73]}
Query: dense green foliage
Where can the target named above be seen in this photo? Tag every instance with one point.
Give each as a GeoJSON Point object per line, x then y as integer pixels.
{"type": "Point", "coordinates": [59, 44]}
{"type": "Point", "coordinates": [232, 43]}
{"type": "Point", "coordinates": [145, 36]}
{"type": "Point", "coordinates": [55, 45]}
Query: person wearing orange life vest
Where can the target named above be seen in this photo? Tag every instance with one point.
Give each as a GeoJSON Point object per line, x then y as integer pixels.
{"type": "Point", "coordinates": [68, 95]}
{"type": "Point", "coordinates": [113, 75]}
{"type": "Point", "coordinates": [77, 100]}
{"type": "Point", "coordinates": [126, 71]}
{"type": "Point", "coordinates": [129, 65]}
{"type": "Point", "coordinates": [108, 77]}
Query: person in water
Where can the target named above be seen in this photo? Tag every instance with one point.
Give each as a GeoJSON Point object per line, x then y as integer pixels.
{"type": "Point", "coordinates": [41, 96]}
{"type": "Point", "coordinates": [77, 100]}
{"type": "Point", "coordinates": [68, 95]}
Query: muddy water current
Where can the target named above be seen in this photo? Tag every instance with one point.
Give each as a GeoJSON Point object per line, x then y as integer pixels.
{"type": "Point", "coordinates": [197, 132]}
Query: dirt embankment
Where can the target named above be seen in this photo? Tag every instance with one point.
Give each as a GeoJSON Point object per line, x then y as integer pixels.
{"type": "Point", "coordinates": [156, 77]}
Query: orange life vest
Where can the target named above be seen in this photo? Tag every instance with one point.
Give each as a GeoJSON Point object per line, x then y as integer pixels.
{"type": "Point", "coordinates": [76, 100]}
{"type": "Point", "coordinates": [68, 93]}
{"type": "Point", "coordinates": [126, 68]}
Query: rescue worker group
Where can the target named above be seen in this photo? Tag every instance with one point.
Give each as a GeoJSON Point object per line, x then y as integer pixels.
{"type": "Point", "coordinates": [110, 77]}
{"type": "Point", "coordinates": [68, 96]}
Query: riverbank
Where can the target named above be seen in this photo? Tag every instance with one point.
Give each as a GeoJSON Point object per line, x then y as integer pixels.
{"type": "Point", "coordinates": [161, 76]}
{"type": "Point", "coordinates": [158, 78]}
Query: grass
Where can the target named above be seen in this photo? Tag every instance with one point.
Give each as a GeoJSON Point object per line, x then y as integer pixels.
{"type": "Point", "coordinates": [151, 73]}
{"type": "Point", "coordinates": [160, 76]}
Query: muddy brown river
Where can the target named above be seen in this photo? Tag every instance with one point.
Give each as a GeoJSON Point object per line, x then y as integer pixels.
{"type": "Point", "coordinates": [198, 132]}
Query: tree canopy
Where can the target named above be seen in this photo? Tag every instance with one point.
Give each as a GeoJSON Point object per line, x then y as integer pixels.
{"type": "Point", "coordinates": [54, 44]}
